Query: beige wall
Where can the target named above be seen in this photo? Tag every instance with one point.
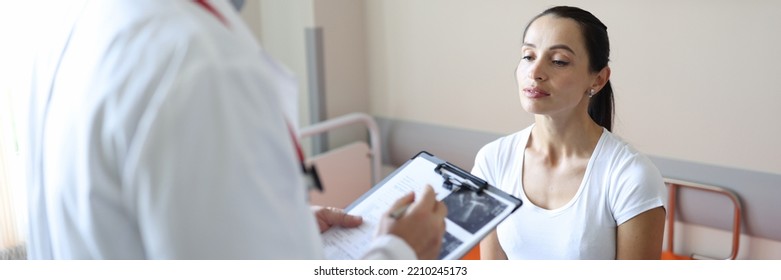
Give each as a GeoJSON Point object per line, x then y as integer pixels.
{"type": "Point", "coordinates": [346, 76]}
{"type": "Point", "coordinates": [344, 39]}
{"type": "Point", "coordinates": [694, 80]}
{"type": "Point", "coordinates": [279, 26]}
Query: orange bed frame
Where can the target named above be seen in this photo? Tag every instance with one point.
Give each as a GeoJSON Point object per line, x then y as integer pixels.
{"type": "Point", "coordinates": [674, 185]}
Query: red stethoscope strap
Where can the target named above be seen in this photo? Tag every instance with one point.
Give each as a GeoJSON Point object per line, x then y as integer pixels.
{"type": "Point", "coordinates": [299, 151]}
{"type": "Point", "coordinates": [209, 8]}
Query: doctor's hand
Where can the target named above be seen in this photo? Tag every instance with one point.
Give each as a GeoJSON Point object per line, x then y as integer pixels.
{"type": "Point", "coordinates": [422, 225]}
{"type": "Point", "coordinates": [331, 216]}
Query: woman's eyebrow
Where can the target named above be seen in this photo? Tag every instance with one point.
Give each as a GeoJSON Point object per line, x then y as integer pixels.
{"type": "Point", "coordinates": [562, 47]}
{"type": "Point", "coordinates": [554, 47]}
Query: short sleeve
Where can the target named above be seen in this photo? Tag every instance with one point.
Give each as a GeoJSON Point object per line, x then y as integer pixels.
{"type": "Point", "coordinates": [637, 187]}
{"type": "Point", "coordinates": [482, 168]}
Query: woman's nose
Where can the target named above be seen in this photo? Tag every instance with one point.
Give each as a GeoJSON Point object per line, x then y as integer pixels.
{"type": "Point", "coordinates": [536, 71]}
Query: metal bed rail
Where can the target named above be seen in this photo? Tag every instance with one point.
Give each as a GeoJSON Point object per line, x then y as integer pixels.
{"type": "Point", "coordinates": [349, 119]}
{"type": "Point", "coordinates": [674, 186]}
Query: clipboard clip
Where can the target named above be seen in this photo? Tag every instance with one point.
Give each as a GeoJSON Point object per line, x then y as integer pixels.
{"type": "Point", "coordinates": [456, 178]}
{"type": "Point", "coordinates": [312, 178]}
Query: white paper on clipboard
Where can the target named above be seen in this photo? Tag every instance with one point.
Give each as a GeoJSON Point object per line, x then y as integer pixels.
{"type": "Point", "coordinates": [471, 214]}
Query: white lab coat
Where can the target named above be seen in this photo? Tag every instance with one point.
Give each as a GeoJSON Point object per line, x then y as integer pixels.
{"type": "Point", "coordinates": [164, 137]}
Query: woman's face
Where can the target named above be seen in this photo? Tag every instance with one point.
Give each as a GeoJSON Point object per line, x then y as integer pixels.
{"type": "Point", "coordinates": [553, 74]}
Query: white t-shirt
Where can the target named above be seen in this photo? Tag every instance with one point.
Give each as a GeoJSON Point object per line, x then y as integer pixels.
{"type": "Point", "coordinates": [619, 183]}
{"type": "Point", "coordinates": [165, 137]}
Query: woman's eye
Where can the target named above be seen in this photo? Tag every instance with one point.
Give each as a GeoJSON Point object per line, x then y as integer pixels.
{"type": "Point", "coordinates": [560, 62]}
{"type": "Point", "coordinates": [526, 57]}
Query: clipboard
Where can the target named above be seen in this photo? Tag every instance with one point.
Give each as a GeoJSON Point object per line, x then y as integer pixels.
{"type": "Point", "coordinates": [475, 207]}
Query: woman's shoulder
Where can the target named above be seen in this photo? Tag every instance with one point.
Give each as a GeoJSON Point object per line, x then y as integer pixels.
{"type": "Point", "coordinates": [633, 183]}
{"type": "Point", "coordinates": [624, 158]}
{"type": "Point", "coordinates": [619, 146]}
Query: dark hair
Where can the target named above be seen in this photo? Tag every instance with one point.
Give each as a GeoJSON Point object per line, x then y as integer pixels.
{"type": "Point", "coordinates": [601, 106]}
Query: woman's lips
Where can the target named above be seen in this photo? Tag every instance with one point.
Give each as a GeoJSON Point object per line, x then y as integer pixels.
{"type": "Point", "coordinates": [535, 93]}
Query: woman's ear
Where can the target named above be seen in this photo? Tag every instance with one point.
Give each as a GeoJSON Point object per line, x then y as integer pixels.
{"type": "Point", "coordinates": [602, 77]}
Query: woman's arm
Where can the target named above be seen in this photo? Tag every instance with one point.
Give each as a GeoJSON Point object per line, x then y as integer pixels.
{"type": "Point", "coordinates": [490, 248]}
{"type": "Point", "coordinates": [641, 237]}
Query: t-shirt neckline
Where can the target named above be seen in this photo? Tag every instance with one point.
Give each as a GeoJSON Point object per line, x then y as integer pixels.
{"type": "Point", "coordinates": [583, 182]}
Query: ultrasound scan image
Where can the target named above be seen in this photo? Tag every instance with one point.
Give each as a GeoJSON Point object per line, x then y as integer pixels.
{"type": "Point", "coordinates": [472, 210]}
{"type": "Point", "coordinates": [449, 243]}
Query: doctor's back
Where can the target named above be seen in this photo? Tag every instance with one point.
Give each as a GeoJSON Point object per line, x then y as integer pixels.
{"type": "Point", "coordinates": [156, 132]}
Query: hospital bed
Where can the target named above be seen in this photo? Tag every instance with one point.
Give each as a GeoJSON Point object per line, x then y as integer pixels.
{"type": "Point", "coordinates": [348, 171]}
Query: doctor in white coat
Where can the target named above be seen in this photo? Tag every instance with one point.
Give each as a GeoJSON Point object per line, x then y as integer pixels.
{"type": "Point", "coordinates": [158, 130]}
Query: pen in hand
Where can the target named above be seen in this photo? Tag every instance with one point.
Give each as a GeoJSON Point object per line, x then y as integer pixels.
{"type": "Point", "coordinates": [399, 212]}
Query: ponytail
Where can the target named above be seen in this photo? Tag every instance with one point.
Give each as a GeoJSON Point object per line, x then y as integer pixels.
{"type": "Point", "coordinates": [601, 108]}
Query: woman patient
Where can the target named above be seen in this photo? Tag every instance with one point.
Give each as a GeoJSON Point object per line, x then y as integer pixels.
{"type": "Point", "coordinates": [587, 193]}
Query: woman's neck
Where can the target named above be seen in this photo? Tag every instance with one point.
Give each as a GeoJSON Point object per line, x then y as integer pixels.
{"type": "Point", "coordinates": [564, 137]}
